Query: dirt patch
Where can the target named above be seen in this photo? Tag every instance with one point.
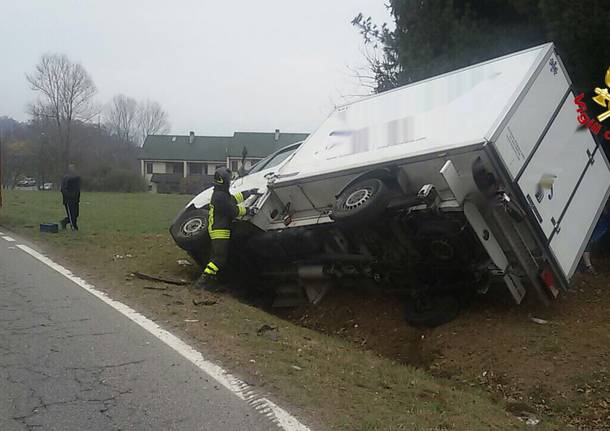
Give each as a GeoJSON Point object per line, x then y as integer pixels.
{"type": "Point", "coordinates": [548, 361]}
{"type": "Point", "coordinates": [369, 320]}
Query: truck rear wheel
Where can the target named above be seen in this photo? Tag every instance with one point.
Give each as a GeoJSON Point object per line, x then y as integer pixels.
{"type": "Point", "coordinates": [432, 310]}
{"type": "Point", "coordinates": [361, 202]}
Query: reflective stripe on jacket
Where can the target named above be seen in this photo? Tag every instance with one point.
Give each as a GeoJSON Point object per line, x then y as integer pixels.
{"type": "Point", "coordinates": [224, 208]}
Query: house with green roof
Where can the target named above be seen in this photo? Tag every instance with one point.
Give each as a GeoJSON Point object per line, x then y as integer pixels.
{"type": "Point", "coordinates": [186, 163]}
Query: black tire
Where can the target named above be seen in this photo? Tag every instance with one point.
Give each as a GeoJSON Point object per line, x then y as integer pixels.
{"type": "Point", "coordinates": [190, 232]}
{"type": "Point", "coordinates": [362, 202]}
{"type": "Point", "coordinates": [432, 310]}
{"type": "Point", "coordinates": [444, 244]}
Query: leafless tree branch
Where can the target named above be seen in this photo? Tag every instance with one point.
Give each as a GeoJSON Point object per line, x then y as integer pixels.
{"type": "Point", "coordinates": [65, 92]}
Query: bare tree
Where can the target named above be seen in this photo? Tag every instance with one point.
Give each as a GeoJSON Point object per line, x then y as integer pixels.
{"type": "Point", "coordinates": [122, 119]}
{"type": "Point", "coordinates": [65, 95]}
{"type": "Point", "coordinates": [152, 119]}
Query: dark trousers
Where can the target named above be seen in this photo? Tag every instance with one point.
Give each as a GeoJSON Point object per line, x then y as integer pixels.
{"type": "Point", "coordinates": [71, 214]}
{"type": "Point", "coordinates": [218, 257]}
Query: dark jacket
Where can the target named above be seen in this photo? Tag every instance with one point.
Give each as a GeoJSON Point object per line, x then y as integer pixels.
{"type": "Point", "coordinates": [70, 188]}
{"type": "Point", "coordinates": [224, 208]}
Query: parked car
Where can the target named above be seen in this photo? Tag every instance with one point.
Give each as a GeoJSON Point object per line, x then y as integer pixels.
{"type": "Point", "coordinates": [26, 182]}
{"type": "Point", "coordinates": [437, 188]}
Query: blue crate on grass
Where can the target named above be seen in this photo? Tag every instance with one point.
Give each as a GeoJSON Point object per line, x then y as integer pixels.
{"type": "Point", "coordinates": [49, 227]}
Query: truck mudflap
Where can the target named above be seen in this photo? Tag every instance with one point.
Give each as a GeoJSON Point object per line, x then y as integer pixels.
{"type": "Point", "coordinates": [565, 183]}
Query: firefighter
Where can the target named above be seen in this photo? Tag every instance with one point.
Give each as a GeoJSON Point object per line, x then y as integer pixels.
{"type": "Point", "coordinates": [224, 208]}
{"type": "Point", "coordinates": [70, 192]}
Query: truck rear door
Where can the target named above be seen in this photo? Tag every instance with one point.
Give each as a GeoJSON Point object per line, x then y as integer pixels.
{"type": "Point", "coordinates": [566, 182]}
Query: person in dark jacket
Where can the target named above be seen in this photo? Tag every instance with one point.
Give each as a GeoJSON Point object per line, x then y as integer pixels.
{"type": "Point", "coordinates": [70, 191]}
{"type": "Point", "coordinates": [224, 208]}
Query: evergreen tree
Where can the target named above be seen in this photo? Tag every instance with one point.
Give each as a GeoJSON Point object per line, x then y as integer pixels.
{"type": "Point", "coordinates": [435, 36]}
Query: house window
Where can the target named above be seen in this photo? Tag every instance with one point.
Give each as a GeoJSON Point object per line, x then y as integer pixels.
{"type": "Point", "coordinates": [149, 167]}
{"type": "Point", "coordinates": [234, 165]}
{"type": "Point", "coordinates": [174, 168]}
{"type": "Point", "coordinates": [197, 168]}
{"type": "Point", "coordinates": [220, 166]}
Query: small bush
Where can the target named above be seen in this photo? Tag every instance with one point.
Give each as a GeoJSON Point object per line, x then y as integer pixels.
{"type": "Point", "coordinates": [108, 179]}
{"type": "Point", "coordinates": [194, 184]}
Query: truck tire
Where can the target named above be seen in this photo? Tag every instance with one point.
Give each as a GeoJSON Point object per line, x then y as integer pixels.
{"type": "Point", "coordinates": [444, 243]}
{"type": "Point", "coordinates": [362, 202]}
{"type": "Point", "coordinates": [432, 310]}
{"type": "Point", "coordinates": [190, 232]}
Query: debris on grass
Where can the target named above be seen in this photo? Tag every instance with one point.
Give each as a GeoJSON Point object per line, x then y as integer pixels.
{"type": "Point", "coordinates": [120, 256]}
{"type": "Point", "coordinates": [167, 280]}
{"type": "Point", "coordinates": [296, 367]}
{"type": "Point", "coordinates": [184, 262]}
{"type": "Point", "coordinates": [191, 320]}
{"type": "Point", "coordinates": [268, 331]}
{"type": "Point", "coordinates": [529, 420]}
{"type": "Point", "coordinates": [155, 287]}
{"type": "Point", "coordinates": [204, 301]}
{"type": "Point", "coordinates": [539, 321]}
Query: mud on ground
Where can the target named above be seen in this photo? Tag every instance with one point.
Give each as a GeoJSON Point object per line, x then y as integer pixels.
{"type": "Point", "coordinates": [560, 368]}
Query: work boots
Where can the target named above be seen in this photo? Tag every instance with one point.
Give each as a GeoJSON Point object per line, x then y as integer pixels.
{"type": "Point", "coordinates": [209, 283]}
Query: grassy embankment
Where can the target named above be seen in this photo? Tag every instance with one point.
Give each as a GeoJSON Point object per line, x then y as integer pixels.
{"type": "Point", "coordinates": [331, 383]}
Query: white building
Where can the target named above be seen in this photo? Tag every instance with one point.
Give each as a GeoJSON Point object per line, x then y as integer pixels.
{"type": "Point", "coordinates": [186, 163]}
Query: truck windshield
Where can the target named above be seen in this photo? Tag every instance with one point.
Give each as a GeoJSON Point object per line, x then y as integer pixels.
{"type": "Point", "coordinates": [274, 159]}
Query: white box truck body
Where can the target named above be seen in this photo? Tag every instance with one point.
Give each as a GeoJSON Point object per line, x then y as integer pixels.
{"type": "Point", "coordinates": [494, 149]}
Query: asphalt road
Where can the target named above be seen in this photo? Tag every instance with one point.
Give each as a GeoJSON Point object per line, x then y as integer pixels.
{"type": "Point", "coordinates": [68, 361]}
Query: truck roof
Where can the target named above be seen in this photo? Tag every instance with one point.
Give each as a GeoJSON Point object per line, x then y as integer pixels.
{"type": "Point", "coordinates": [450, 111]}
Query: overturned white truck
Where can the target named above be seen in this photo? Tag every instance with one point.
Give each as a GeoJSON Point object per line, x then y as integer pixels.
{"type": "Point", "coordinates": [437, 188]}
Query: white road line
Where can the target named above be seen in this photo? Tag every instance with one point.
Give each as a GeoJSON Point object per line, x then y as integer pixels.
{"type": "Point", "coordinates": [8, 238]}
{"type": "Point", "coordinates": [238, 387]}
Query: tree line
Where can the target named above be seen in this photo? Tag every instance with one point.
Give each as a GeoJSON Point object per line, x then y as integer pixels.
{"type": "Point", "coordinates": [432, 37]}
{"type": "Point", "coordinates": [68, 125]}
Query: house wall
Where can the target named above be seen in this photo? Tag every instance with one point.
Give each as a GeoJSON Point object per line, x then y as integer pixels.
{"type": "Point", "coordinates": [161, 167]}
{"type": "Point", "coordinates": [164, 167]}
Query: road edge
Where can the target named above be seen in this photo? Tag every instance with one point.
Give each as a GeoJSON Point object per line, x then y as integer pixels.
{"type": "Point", "coordinates": [239, 388]}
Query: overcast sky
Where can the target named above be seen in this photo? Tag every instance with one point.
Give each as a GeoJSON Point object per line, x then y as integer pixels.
{"type": "Point", "coordinates": [215, 66]}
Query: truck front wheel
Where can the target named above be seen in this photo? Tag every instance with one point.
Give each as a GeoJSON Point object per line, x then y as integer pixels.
{"type": "Point", "coordinates": [190, 232]}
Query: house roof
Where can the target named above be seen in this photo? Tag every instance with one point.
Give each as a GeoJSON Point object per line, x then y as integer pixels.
{"type": "Point", "coordinates": [215, 148]}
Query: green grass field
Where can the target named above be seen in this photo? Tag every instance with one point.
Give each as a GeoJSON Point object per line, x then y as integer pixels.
{"type": "Point", "coordinates": [100, 213]}
{"type": "Point", "coordinates": [332, 383]}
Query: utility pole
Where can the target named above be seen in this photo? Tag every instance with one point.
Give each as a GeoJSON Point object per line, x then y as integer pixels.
{"type": "Point", "coordinates": [42, 142]}
{"type": "Point", "coordinates": [0, 168]}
